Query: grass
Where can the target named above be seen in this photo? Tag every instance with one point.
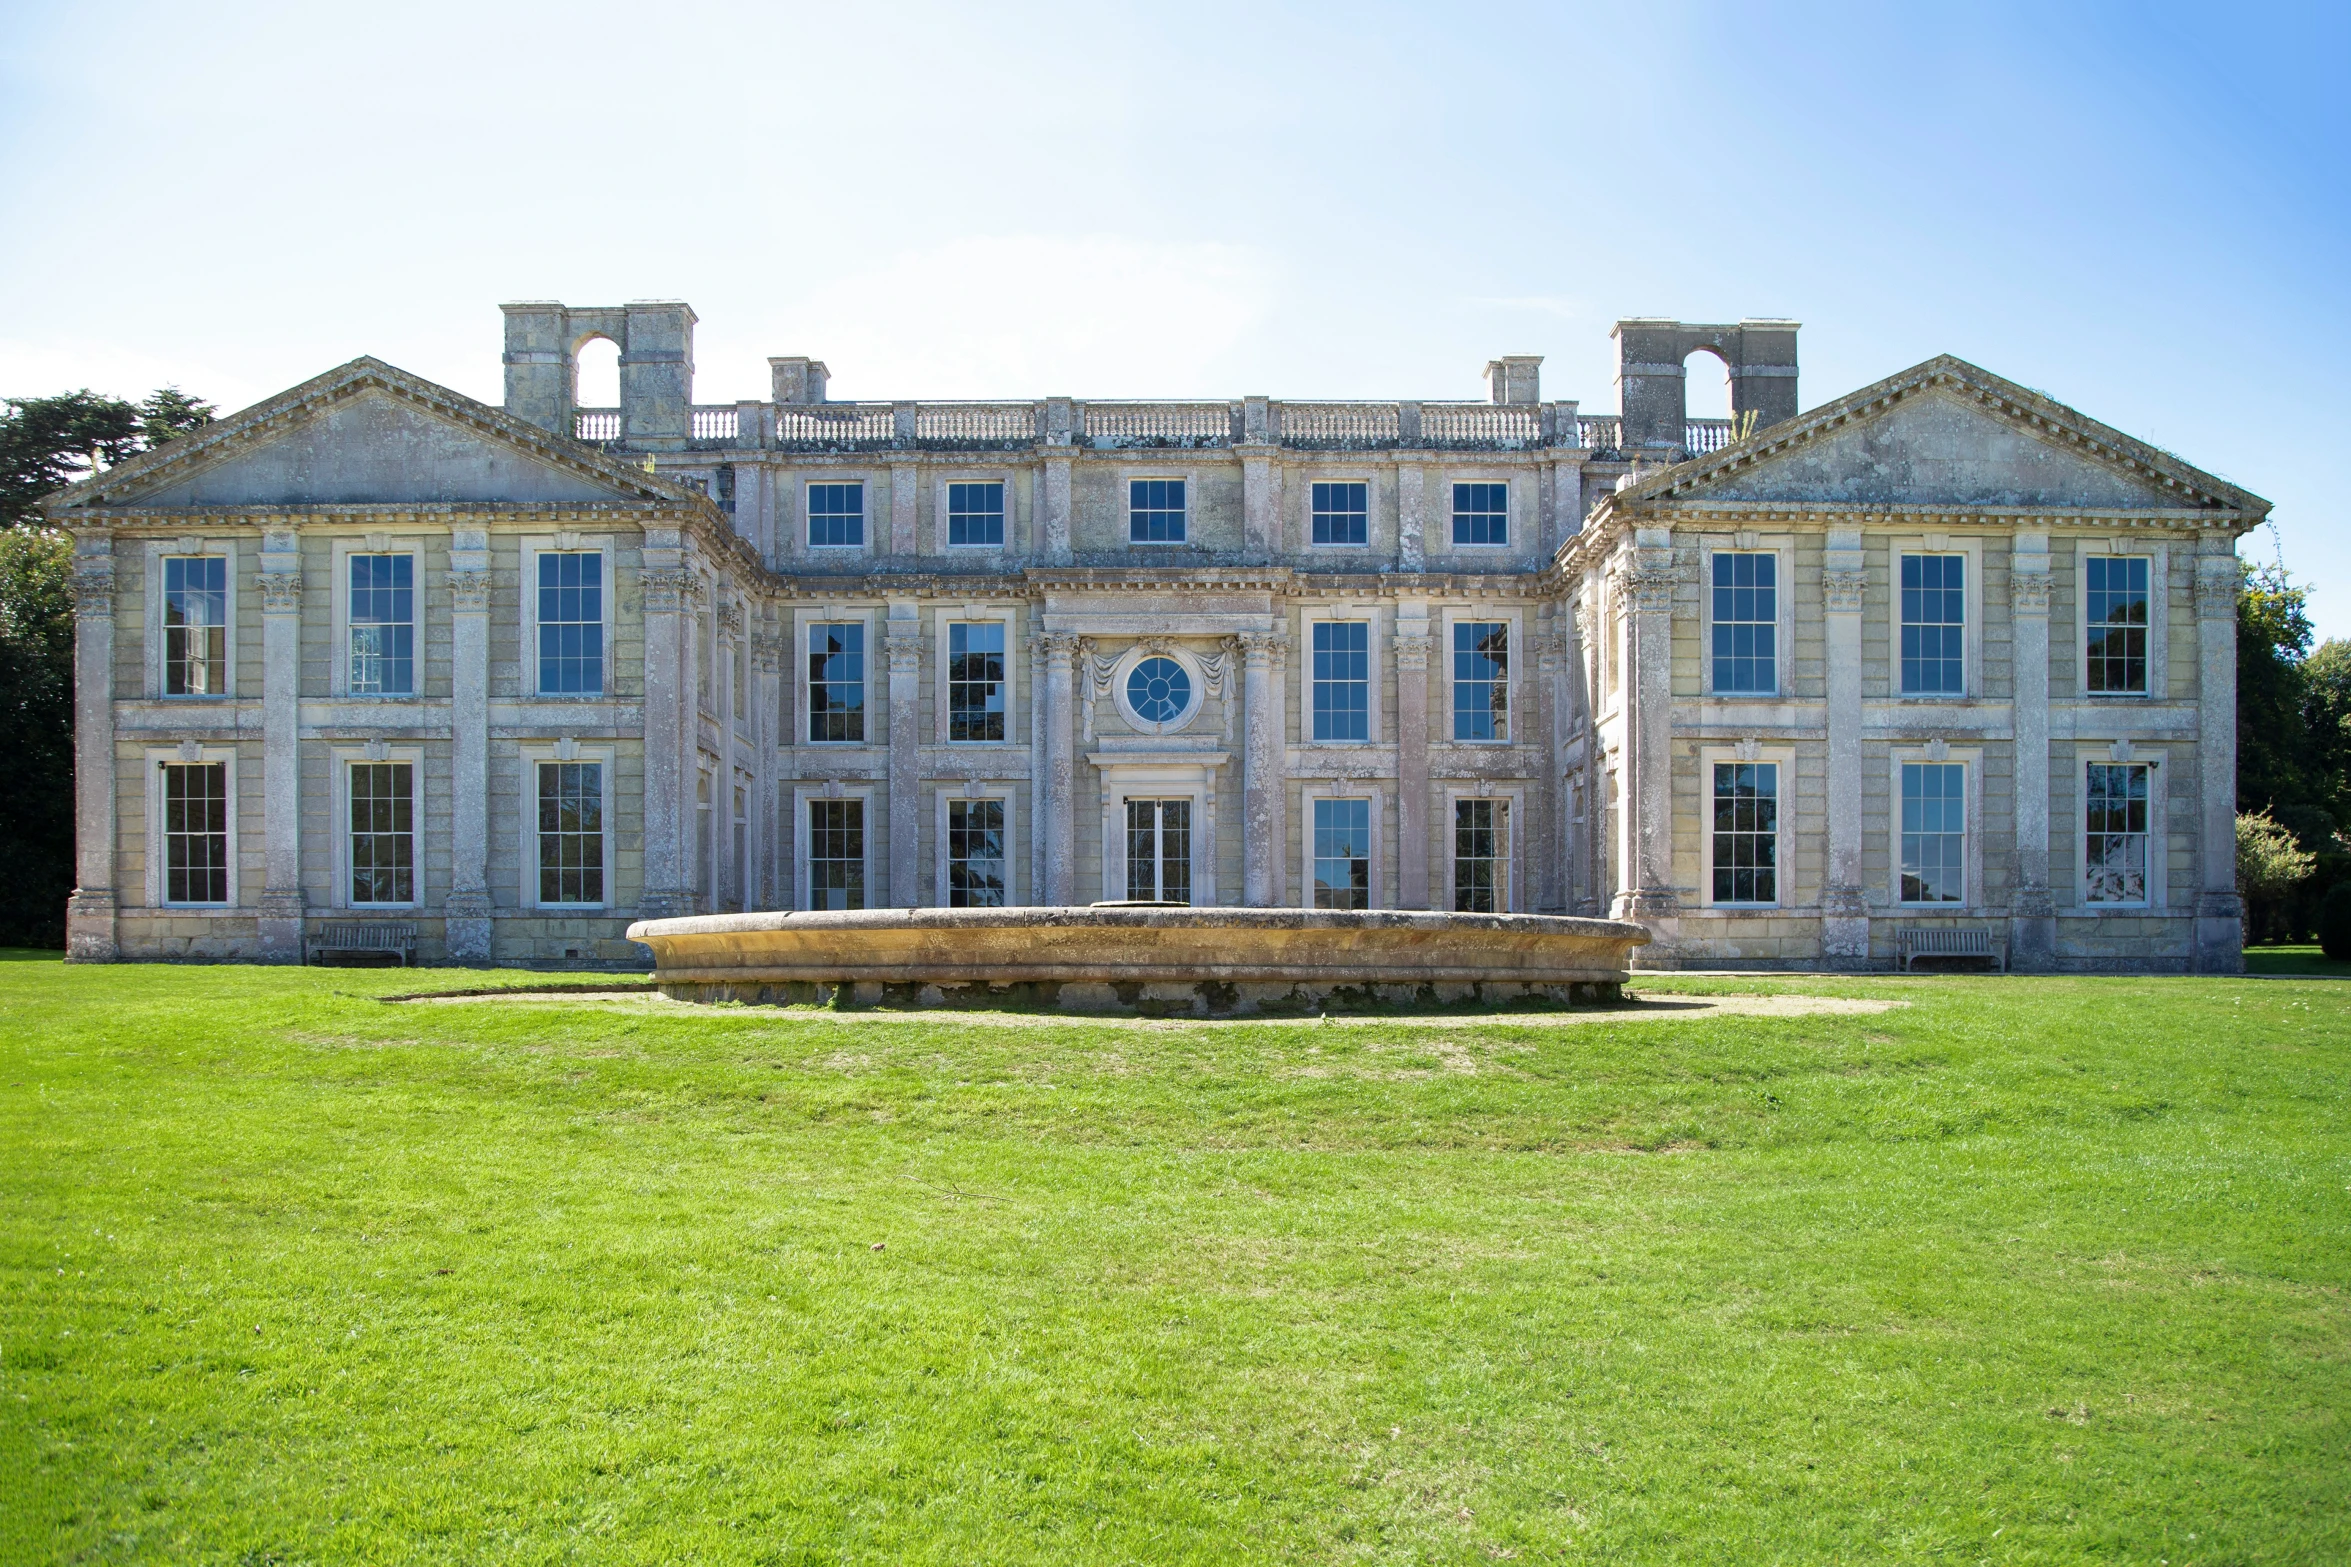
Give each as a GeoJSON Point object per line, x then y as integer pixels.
{"type": "Point", "coordinates": [2029, 1270]}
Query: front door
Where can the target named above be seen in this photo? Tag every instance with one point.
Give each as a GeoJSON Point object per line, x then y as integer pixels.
{"type": "Point", "coordinates": [1159, 850]}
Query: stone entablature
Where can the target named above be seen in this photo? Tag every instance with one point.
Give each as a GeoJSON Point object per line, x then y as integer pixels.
{"type": "Point", "coordinates": [1529, 719]}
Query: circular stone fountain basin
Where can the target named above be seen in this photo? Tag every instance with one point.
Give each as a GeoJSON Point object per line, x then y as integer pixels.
{"type": "Point", "coordinates": [1137, 958]}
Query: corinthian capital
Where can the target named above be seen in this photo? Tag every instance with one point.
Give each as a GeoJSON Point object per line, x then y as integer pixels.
{"type": "Point", "coordinates": [905, 652]}
{"type": "Point", "coordinates": [2028, 592]}
{"type": "Point", "coordinates": [281, 592]}
{"type": "Point", "coordinates": [1411, 649]}
{"type": "Point", "coordinates": [668, 591]}
{"type": "Point", "coordinates": [93, 592]}
{"type": "Point", "coordinates": [1060, 646]}
{"type": "Point", "coordinates": [1271, 646]}
{"type": "Point", "coordinates": [2217, 585]}
{"type": "Point", "coordinates": [1842, 590]}
{"type": "Point", "coordinates": [469, 592]}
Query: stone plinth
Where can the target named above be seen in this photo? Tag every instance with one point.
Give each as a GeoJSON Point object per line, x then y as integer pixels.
{"type": "Point", "coordinates": [1159, 960]}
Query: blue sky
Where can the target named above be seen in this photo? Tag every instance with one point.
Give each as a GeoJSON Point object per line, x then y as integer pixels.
{"type": "Point", "coordinates": [2140, 210]}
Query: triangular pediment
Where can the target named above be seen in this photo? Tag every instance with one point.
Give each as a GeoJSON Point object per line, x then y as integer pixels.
{"type": "Point", "coordinates": [367, 434]}
{"type": "Point", "coordinates": [1945, 434]}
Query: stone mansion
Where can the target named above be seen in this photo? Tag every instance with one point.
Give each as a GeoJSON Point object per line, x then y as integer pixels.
{"type": "Point", "coordinates": [1941, 652]}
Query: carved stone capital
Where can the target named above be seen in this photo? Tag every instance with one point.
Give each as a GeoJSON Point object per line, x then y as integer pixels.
{"type": "Point", "coordinates": [93, 592]}
{"type": "Point", "coordinates": [1843, 590]}
{"type": "Point", "coordinates": [2216, 591]}
{"type": "Point", "coordinates": [469, 592]}
{"type": "Point", "coordinates": [1411, 650]}
{"type": "Point", "coordinates": [1270, 647]}
{"type": "Point", "coordinates": [767, 652]}
{"type": "Point", "coordinates": [2028, 592]}
{"type": "Point", "coordinates": [281, 592]}
{"type": "Point", "coordinates": [669, 591]}
{"type": "Point", "coordinates": [1060, 646]}
{"type": "Point", "coordinates": [730, 619]}
{"type": "Point", "coordinates": [1652, 591]}
{"type": "Point", "coordinates": [904, 649]}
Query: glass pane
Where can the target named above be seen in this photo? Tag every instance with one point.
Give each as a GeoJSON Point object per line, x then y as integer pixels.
{"type": "Point", "coordinates": [975, 680]}
{"type": "Point", "coordinates": [571, 624]}
{"type": "Point", "coordinates": [1745, 613]}
{"type": "Point", "coordinates": [836, 516]}
{"type": "Point", "coordinates": [836, 682]}
{"type": "Point", "coordinates": [1155, 511]}
{"type": "Point", "coordinates": [1746, 832]}
{"type": "Point", "coordinates": [1481, 680]}
{"type": "Point", "coordinates": [1342, 680]}
{"type": "Point", "coordinates": [836, 854]}
{"type": "Point", "coordinates": [1342, 854]}
{"type": "Point", "coordinates": [1159, 691]}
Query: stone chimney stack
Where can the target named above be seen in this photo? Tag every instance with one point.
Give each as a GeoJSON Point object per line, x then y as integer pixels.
{"type": "Point", "coordinates": [1516, 378]}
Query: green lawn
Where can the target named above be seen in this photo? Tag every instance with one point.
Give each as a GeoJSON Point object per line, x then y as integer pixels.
{"type": "Point", "coordinates": [2020, 1271]}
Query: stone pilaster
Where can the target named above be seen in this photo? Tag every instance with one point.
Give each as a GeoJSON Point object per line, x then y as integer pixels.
{"type": "Point", "coordinates": [1058, 825]}
{"type": "Point", "coordinates": [722, 698]}
{"type": "Point", "coordinates": [1844, 925]}
{"type": "Point", "coordinates": [1053, 510]}
{"type": "Point", "coordinates": [1259, 525]}
{"type": "Point", "coordinates": [1411, 516]}
{"type": "Point", "coordinates": [466, 910]}
{"type": "Point", "coordinates": [2220, 912]}
{"type": "Point", "coordinates": [904, 647]}
{"type": "Point", "coordinates": [1264, 654]}
{"type": "Point", "coordinates": [767, 663]}
{"type": "Point", "coordinates": [1649, 895]}
{"type": "Point", "coordinates": [905, 509]}
{"type": "Point", "coordinates": [669, 587]}
{"type": "Point", "coordinates": [2032, 936]}
{"type": "Point", "coordinates": [280, 582]}
{"type": "Point", "coordinates": [90, 935]}
{"type": "Point", "coordinates": [1547, 831]}
{"type": "Point", "coordinates": [1410, 649]}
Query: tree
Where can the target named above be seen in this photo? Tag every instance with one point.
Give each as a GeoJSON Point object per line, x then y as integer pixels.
{"type": "Point", "coordinates": [2269, 865]}
{"type": "Point", "coordinates": [46, 443]}
{"type": "Point", "coordinates": [2293, 740]}
{"type": "Point", "coordinates": [36, 735]}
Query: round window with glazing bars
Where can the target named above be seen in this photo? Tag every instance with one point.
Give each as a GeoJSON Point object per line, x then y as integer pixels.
{"type": "Point", "coordinates": [1159, 691]}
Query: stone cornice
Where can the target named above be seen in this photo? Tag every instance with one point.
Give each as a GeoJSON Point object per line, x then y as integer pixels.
{"type": "Point", "coordinates": [265, 420]}
{"type": "Point", "coordinates": [2004, 399]}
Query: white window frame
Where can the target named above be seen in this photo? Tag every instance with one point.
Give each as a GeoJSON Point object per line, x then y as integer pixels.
{"type": "Point", "coordinates": [157, 549]}
{"type": "Point", "coordinates": [527, 844]}
{"type": "Point", "coordinates": [533, 546]}
{"type": "Point", "coordinates": [178, 755]}
{"type": "Point", "coordinates": [2154, 759]}
{"type": "Point", "coordinates": [1514, 504]}
{"type": "Point", "coordinates": [1515, 687]}
{"type": "Point", "coordinates": [1120, 671]}
{"type": "Point", "coordinates": [2157, 554]}
{"type": "Point", "coordinates": [1782, 546]}
{"type": "Point", "coordinates": [1193, 776]}
{"type": "Point", "coordinates": [802, 796]}
{"type": "Point", "coordinates": [1784, 851]}
{"type": "Point", "coordinates": [343, 759]}
{"type": "Point", "coordinates": [1126, 508]}
{"type": "Point", "coordinates": [939, 516]}
{"type": "Point", "coordinates": [1971, 635]}
{"type": "Point", "coordinates": [1514, 852]}
{"type": "Point", "coordinates": [948, 792]}
{"type": "Point", "coordinates": [1381, 629]}
{"type": "Point", "coordinates": [1972, 851]}
{"type": "Point", "coordinates": [803, 526]}
{"type": "Point", "coordinates": [796, 694]}
{"type": "Point", "coordinates": [1371, 509]}
{"type": "Point", "coordinates": [339, 681]}
{"type": "Point", "coordinates": [967, 614]}
{"type": "Point", "coordinates": [1312, 789]}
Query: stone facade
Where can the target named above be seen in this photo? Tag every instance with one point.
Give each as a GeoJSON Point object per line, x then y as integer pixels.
{"type": "Point", "coordinates": [373, 651]}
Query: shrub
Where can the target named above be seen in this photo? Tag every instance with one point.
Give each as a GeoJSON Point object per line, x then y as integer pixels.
{"type": "Point", "coordinates": [2334, 923]}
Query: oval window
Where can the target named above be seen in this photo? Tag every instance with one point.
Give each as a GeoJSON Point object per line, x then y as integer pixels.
{"type": "Point", "coordinates": [1159, 691]}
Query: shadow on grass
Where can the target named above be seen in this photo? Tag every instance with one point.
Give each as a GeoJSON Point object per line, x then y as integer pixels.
{"type": "Point", "coordinates": [2300, 961]}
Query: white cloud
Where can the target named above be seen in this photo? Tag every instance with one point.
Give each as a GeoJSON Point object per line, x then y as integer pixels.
{"type": "Point", "coordinates": [1029, 315]}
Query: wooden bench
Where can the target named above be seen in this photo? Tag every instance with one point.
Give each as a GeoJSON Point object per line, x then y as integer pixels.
{"type": "Point", "coordinates": [372, 937]}
{"type": "Point", "coordinates": [1912, 942]}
